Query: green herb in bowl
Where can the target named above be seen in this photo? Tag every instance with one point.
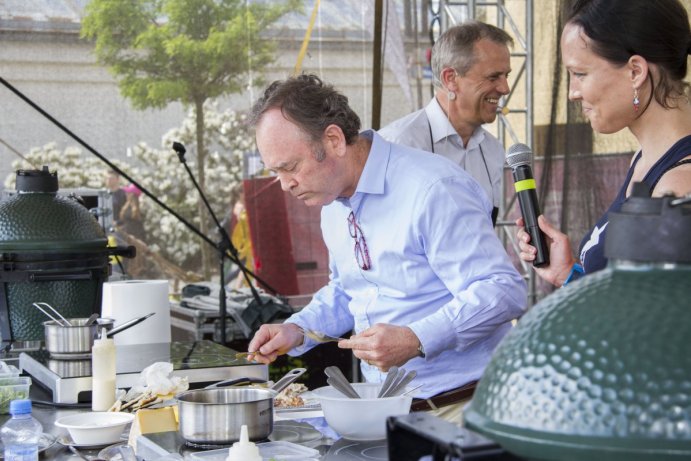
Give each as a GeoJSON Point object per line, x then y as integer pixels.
{"type": "Point", "coordinates": [13, 389]}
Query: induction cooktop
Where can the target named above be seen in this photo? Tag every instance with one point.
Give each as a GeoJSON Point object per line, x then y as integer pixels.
{"type": "Point", "coordinates": [202, 362]}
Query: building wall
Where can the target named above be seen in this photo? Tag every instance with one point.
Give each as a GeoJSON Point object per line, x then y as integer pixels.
{"type": "Point", "coordinates": [58, 74]}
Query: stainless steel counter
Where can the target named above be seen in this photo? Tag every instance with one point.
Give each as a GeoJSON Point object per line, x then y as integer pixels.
{"type": "Point", "coordinates": [47, 416]}
{"type": "Point", "coordinates": [203, 362]}
{"type": "Point", "coordinates": [302, 433]}
{"type": "Point", "coordinates": [341, 450]}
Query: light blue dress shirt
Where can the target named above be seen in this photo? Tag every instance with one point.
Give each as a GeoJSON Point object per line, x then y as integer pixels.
{"type": "Point", "coordinates": [437, 266]}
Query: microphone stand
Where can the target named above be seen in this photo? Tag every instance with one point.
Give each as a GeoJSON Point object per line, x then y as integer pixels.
{"type": "Point", "coordinates": [225, 248]}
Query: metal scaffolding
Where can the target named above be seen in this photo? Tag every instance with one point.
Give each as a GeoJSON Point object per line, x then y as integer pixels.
{"type": "Point", "coordinates": [515, 120]}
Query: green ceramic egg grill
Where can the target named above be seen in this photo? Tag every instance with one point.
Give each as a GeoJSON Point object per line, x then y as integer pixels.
{"type": "Point", "coordinates": [51, 250]}
{"type": "Point", "coordinates": [601, 370]}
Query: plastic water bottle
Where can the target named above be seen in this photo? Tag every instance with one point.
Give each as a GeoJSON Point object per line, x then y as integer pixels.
{"type": "Point", "coordinates": [21, 433]}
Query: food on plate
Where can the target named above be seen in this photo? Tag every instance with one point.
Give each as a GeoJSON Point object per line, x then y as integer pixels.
{"type": "Point", "coordinates": [137, 401]}
{"type": "Point", "coordinates": [290, 396]}
{"type": "Point", "coordinates": [155, 385]}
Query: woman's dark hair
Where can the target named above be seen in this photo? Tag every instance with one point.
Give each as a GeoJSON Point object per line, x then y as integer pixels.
{"type": "Point", "coordinates": [656, 30]}
{"type": "Point", "coordinates": [311, 104]}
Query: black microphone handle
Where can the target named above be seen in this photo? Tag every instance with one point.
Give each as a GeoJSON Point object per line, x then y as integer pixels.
{"type": "Point", "coordinates": [530, 210]}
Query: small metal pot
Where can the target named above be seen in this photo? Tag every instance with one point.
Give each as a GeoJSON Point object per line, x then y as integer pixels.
{"type": "Point", "coordinates": [215, 415]}
{"type": "Point", "coordinates": [76, 339]}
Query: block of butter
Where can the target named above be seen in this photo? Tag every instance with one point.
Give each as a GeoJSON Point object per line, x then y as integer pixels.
{"type": "Point", "coordinates": [152, 421]}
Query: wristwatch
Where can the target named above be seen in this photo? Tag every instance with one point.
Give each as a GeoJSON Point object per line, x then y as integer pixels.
{"type": "Point", "coordinates": [421, 351]}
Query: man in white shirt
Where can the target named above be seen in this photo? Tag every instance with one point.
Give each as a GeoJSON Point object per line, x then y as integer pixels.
{"type": "Point", "coordinates": [471, 64]}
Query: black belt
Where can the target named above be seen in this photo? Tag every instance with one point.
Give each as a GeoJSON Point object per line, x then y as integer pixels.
{"type": "Point", "coordinates": [445, 398]}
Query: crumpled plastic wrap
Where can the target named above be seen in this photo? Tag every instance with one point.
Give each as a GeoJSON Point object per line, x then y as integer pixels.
{"type": "Point", "coordinates": [7, 370]}
{"type": "Point", "coordinates": [156, 379]}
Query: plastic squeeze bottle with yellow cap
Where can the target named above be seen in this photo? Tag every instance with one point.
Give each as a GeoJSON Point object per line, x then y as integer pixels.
{"type": "Point", "coordinates": [244, 450]}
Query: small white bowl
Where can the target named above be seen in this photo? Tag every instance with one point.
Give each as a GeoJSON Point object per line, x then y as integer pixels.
{"type": "Point", "coordinates": [95, 428]}
{"type": "Point", "coordinates": [363, 418]}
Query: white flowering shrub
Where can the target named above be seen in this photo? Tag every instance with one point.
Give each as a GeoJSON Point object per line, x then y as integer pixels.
{"type": "Point", "coordinates": [74, 168]}
{"type": "Point", "coordinates": [227, 139]}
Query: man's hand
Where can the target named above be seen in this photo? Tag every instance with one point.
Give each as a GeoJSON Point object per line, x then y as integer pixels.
{"type": "Point", "coordinates": [272, 340]}
{"type": "Point", "coordinates": [383, 345]}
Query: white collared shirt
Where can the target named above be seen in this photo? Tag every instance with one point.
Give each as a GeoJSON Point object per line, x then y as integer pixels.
{"type": "Point", "coordinates": [429, 129]}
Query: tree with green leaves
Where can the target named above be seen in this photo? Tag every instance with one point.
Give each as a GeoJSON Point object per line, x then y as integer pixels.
{"type": "Point", "coordinates": [187, 51]}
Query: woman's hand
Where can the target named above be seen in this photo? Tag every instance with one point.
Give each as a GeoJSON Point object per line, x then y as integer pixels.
{"type": "Point", "coordinates": [561, 258]}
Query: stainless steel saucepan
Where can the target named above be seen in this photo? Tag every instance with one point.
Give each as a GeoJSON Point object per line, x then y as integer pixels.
{"type": "Point", "coordinates": [215, 415]}
{"type": "Point", "coordinates": [71, 338]}
{"type": "Point", "coordinates": [76, 339]}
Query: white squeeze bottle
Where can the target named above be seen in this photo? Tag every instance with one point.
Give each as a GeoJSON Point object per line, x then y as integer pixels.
{"type": "Point", "coordinates": [102, 373]}
{"type": "Point", "coordinates": [244, 450]}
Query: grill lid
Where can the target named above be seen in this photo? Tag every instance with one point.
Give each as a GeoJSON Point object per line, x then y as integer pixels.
{"type": "Point", "coordinates": [600, 369]}
{"type": "Point", "coordinates": [36, 218]}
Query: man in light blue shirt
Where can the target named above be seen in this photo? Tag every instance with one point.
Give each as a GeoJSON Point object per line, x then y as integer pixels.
{"type": "Point", "coordinates": [417, 271]}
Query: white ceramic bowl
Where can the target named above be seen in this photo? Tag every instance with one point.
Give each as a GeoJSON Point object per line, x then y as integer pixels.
{"type": "Point", "coordinates": [95, 428]}
{"type": "Point", "coordinates": [364, 418]}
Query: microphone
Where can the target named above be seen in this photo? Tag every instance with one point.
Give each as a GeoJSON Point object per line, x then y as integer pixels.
{"type": "Point", "coordinates": [518, 158]}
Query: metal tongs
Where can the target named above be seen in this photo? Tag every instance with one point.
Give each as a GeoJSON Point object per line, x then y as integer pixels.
{"type": "Point", "coordinates": [278, 386]}
{"type": "Point", "coordinates": [62, 321]}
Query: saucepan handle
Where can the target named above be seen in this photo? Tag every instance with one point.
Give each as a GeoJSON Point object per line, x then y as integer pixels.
{"type": "Point", "coordinates": [236, 382]}
{"type": "Point", "coordinates": [128, 324]}
{"type": "Point", "coordinates": [288, 378]}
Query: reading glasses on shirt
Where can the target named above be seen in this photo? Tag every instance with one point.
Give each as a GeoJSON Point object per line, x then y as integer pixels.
{"type": "Point", "coordinates": [360, 248]}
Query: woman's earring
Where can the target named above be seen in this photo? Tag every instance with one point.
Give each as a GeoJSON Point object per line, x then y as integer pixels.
{"type": "Point", "coordinates": [451, 95]}
{"type": "Point", "coordinates": [636, 101]}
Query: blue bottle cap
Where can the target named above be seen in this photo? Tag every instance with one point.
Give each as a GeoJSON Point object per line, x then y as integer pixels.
{"type": "Point", "coordinates": [20, 407]}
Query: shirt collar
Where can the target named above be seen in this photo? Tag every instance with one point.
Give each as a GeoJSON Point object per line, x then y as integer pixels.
{"type": "Point", "coordinates": [442, 128]}
{"type": "Point", "coordinates": [373, 177]}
